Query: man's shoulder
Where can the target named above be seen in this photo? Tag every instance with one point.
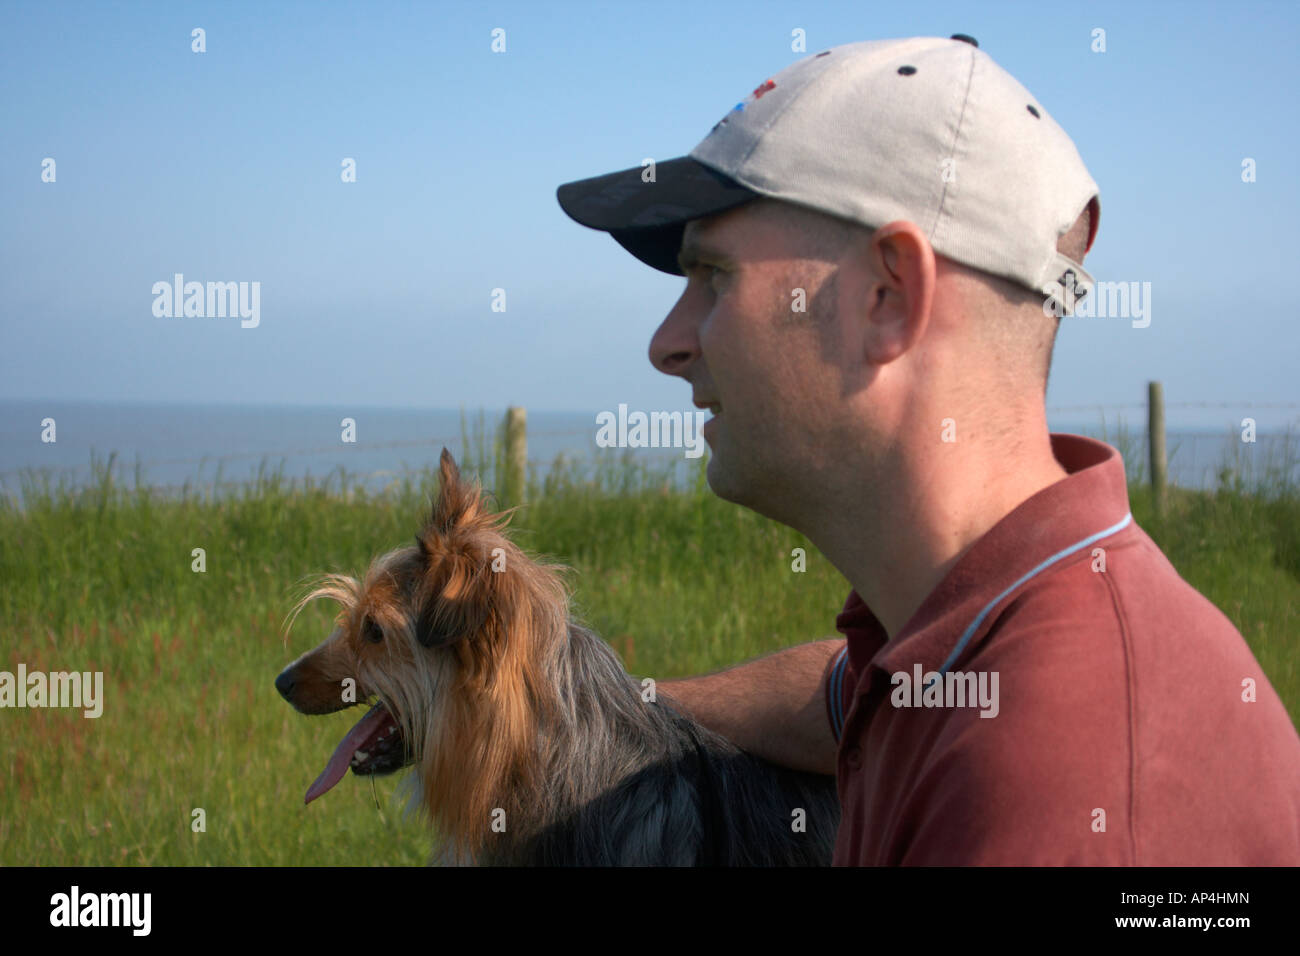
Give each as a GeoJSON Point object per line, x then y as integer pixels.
{"type": "Point", "coordinates": [1121, 632]}
{"type": "Point", "coordinates": [1126, 695]}
{"type": "Point", "coordinates": [1124, 590]}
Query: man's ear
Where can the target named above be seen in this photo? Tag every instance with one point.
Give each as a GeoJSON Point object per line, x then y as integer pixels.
{"type": "Point", "coordinates": [457, 608]}
{"type": "Point", "coordinates": [898, 302]}
{"type": "Point", "coordinates": [457, 500]}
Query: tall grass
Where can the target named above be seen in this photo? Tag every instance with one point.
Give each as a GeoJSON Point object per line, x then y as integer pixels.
{"type": "Point", "coordinates": [101, 578]}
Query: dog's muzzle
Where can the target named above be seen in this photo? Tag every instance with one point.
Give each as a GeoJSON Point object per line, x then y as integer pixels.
{"type": "Point", "coordinates": [373, 746]}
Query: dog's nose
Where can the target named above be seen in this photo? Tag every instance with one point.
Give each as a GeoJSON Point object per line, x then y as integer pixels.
{"type": "Point", "coordinates": [285, 684]}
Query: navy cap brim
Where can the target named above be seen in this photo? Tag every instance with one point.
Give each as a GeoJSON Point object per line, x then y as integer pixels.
{"type": "Point", "coordinates": [648, 218]}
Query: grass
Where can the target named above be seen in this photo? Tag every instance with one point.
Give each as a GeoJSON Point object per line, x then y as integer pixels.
{"type": "Point", "coordinates": [100, 579]}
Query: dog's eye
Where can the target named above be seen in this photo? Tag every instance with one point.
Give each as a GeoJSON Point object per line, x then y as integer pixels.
{"type": "Point", "coordinates": [371, 632]}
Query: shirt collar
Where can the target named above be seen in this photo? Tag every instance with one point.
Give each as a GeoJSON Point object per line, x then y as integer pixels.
{"type": "Point", "coordinates": [1089, 504]}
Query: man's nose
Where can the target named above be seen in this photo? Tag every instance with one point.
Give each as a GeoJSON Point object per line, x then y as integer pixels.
{"type": "Point", "coordinates": [675, 344]}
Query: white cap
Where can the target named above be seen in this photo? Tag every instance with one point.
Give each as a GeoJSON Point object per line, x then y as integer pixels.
{"type": "Point", "coordinates": [926, 129]}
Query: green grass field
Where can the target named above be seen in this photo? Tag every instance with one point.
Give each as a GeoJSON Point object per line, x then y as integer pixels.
{"type": "Point", "coordinates": [678, 581]}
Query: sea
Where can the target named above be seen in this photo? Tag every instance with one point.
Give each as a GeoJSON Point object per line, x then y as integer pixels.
{"type": "Point", "coordinates": [177, 446]}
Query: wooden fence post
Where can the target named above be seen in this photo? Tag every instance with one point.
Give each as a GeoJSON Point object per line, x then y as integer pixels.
{"type": "Point", "coordinates": [516, 455]}
{"type": "Point", "coordinates": [1156, 445]}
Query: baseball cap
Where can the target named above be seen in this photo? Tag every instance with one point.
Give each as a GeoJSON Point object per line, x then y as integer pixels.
{"type": "Point", "coordinates": [925, 129]}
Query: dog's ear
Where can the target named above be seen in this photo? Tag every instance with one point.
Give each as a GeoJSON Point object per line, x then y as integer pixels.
{"type": "Point", "coordinates": [459, 606]}
{"type": "Point", "coordinates": [447, 467]}
{"type": "Point", "coordinates": [457, 602]}
{"type": "Point", "coordinates": [457, 500]}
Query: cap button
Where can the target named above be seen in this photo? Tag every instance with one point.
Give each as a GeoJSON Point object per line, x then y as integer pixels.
{"type": "Point", "coordinates": [965, 39]}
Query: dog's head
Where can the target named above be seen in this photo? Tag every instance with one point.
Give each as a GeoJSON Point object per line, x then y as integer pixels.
{"type": "Point", "coordinates": [422, 636]}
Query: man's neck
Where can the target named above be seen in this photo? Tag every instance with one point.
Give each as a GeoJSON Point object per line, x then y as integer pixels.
{"type": "Point", "coordinates": [895, 545]}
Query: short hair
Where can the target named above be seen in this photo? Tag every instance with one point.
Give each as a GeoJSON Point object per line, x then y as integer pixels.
{"type": "Point", "coordinates": [1011, 316]}
{"type": "Point", "coordinates": [818, 235]}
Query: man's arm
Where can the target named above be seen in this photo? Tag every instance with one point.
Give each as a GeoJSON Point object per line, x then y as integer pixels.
{"type": "Point", "coordinates": [773, 707]}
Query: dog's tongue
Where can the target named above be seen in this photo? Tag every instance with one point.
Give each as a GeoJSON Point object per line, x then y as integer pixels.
{"type": "Point", "coordinates": [338, 765]}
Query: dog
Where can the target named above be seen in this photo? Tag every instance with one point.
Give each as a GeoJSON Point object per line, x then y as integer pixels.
{"type": "Point", "coordinates": [530, 743]}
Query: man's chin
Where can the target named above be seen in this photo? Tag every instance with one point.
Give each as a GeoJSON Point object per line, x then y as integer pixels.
{"type": "Point", "coordinates": [723, 482]}
{"type": "Point", "coordinates": [717, 481]}
{"type": "Point", "coordinates": [747, 489]}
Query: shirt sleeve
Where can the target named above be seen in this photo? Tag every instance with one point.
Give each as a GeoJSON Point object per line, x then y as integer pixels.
{"type": "Point", "coordinates": [839, 688]}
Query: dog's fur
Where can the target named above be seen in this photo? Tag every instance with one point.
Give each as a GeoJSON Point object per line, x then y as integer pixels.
{"type": "Point", "coordinates": [531, 744]}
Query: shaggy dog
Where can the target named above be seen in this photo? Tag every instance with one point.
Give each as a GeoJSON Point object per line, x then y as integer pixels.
{"type": "Point", "coordinates": [531, 745]}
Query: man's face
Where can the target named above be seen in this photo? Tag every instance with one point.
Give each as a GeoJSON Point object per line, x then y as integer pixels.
{"type": "Point", "coordinates": [773, 376]}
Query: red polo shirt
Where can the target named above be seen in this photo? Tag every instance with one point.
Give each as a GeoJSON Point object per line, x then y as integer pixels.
{"type": "Point", "coordinates": [1122, 730]}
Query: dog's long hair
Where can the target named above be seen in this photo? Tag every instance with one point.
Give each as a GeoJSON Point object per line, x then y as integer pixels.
{"type": "Point", "coordinates": [530, 743]}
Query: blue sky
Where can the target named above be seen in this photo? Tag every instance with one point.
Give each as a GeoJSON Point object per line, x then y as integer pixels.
{"type": "Point", "coordinates": [225, 166]}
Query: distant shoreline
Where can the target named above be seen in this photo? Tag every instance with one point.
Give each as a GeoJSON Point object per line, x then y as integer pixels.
{"type": "Point", "coordinates": [197, 443]}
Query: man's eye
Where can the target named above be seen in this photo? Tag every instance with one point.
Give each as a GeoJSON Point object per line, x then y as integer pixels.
{"type": "Point", "coordinates": [706, 273]}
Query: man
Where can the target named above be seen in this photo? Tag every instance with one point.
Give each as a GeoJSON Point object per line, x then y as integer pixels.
{"type": "Point", "coordinates": [1026, 679]}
